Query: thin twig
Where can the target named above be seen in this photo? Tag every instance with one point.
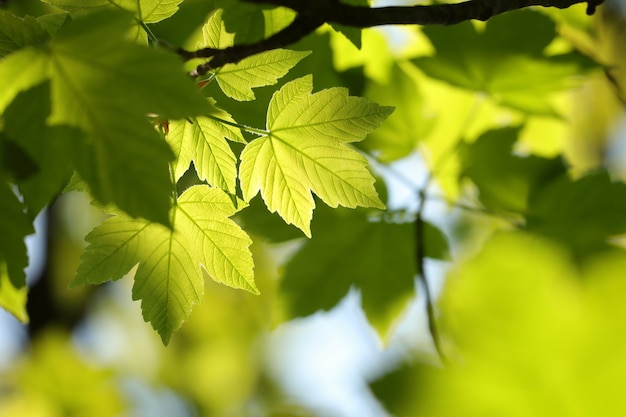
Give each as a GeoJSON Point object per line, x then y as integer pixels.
{"type": "Point", "coordinates": [420, 255]}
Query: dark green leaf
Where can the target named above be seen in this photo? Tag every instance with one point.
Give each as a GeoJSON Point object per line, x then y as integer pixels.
{"type": "Point", "coordinates": [582, 214]}
{"type": "Point", "coordinates": [505, 180]}
{"type": "Point", "coordinates": [407, 125]}
{"type": "Point", "coordinates": [350, 248]}
{"type": "Point", "coordinates": [15, 163]}
{"type": "Point", "coordinates": [14, 227]}
{"type": "Point", "coordinates": [51, 148]}
{"type": "Point", "coordinates": [106, 89]}
{"type": "Point", "coordinates": [15, 33]}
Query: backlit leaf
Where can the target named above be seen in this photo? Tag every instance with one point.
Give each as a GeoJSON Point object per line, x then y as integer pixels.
{"type": "Point", "coordinates": [306, 151]}
{"type": "Point", "coordinates": [201, 140]}
{"type": "Point", "coordinates": [12, 299]}
{"type": "Point", "coordinates": [169, 278]}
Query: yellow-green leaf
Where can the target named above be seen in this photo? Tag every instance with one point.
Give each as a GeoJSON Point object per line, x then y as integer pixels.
{"type": "Point", "coordinates": [169, 279]}
{"type": "Point", "coordinates": [201, 140]}
{"type": "Point", "coordinates": [306, 151]}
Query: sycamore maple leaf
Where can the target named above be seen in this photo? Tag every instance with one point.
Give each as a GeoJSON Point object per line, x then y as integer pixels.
{"type": "Point", "coordinates": [169, 280]}
{"type": "Point", "coordinates": [306, 150]}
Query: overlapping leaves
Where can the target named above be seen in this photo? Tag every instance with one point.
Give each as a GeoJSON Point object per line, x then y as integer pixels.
{"type": "Point", "coordinates": [15, 32]}
{"type": "Point", "coordinates": [534, 335]}
{"type": "Point", "coordinates": [238, 80]}
{"type": "Point", "coordinates": [541, 192]}
{"type": "Point", "coordinates": [358, 249]}
{"type": "Point", "coordinates": [507, 60]}
{"type": "Point", "coordinates": [306, 151]}
{"type": "Point", "coordinates": [169, 280]}
{"type": "Point", "coordinates": [106, 89]}
{"type": "Point", "coordinates": [201, 140]}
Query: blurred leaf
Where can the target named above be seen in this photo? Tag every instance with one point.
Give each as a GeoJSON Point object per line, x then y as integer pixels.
{"type": "Point", "coordinates": [582, 214]}
{"type": "Point", "coordinates": [396, 390]}
{"type": "Point", "coordinates": [256, 219]}
{"type": "Point", "coordinates": [15, 163]}
{"type": "Point", "coordinates": [12, 299]}
{"type": "Point", "coordinates": [55, 381]}
{"type": "Point", "coordinates": [505, 180]}
{"type": "Point", "coordinates": [353, 34]}
{"type": "Point", "coordinates": [14, 227]}
{"type": "Point", "coordinates": [350, 248]}
{"type": "Point", "coordinates": [527, 337]}
{"type": "Point", "coordinates": [16, 33]}
{"type": "Point", "coordinates": [51, 148]}
{"type": "Point", "coordinates": [506, 60]}
{"type": "Point", "coordinates": [53, 22]}
{"type": "Point", "coordinates": [360, 248]}
{"type": "Point", "coordinates": [123, 159]}
{"type": "Point", "coordinates": [406, 126]}
{"type": "Point", "coordinates": [244, 20]}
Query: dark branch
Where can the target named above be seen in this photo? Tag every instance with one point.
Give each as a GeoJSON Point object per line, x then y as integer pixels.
{"type": "Point", "coordinates": [313, 13]}
{"type": "Point", "coordinates": [436, 14]}
{"type": "Point", "coordinates": [299, 28]}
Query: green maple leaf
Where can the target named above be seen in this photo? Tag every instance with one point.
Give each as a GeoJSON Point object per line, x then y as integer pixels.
{"type": "Point", "coordinates": [169, 279]}
{"type": "Point", "coordinates": [306, 149]}
{"type": "Point", "coordinates": [201, 140]}
{"type": "Point", "coordinates": [14, 227]}
{"type": "Point", "coordinates": [122, 157]}
{"type": "Point", "coordinates": [238, 80]}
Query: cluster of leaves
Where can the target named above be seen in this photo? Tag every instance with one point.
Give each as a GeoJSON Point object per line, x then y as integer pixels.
{"type": "Point", "coordinates": [94, 100]}
{"type": "Point", "coordinates": [91, 100]}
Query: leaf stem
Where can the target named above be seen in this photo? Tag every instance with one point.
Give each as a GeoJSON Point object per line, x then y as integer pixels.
{"type": "Point", "coordinates": [152, 39]}
{"type": "Point", "coordinates": [249, 129]}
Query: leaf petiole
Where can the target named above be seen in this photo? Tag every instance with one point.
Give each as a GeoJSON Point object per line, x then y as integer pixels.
{"type": "Point", "coordinates": [249, 129]}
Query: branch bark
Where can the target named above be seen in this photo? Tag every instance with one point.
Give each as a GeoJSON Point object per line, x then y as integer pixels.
{"type": "Point", "coordinates": [313, 13]}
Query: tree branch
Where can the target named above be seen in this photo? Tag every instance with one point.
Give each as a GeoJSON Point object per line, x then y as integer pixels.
{"type": "Point", "coordinates": [332, 11]}
{"type": "Point", "coordinates": [313, 13]}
